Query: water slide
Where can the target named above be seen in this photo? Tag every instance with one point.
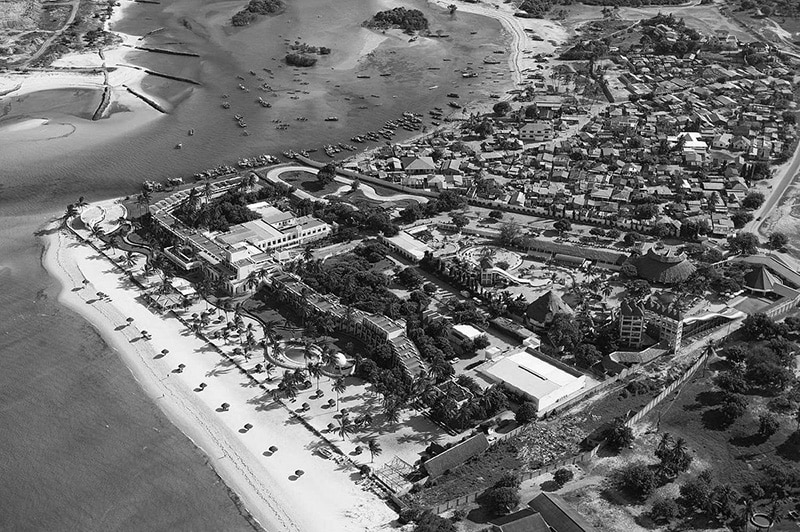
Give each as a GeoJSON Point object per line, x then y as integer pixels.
{"type": "Point", "coordinates": [530, 282]}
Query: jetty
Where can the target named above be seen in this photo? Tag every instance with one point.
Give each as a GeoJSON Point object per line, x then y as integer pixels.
{"type": "Point", "coordinates": [165, 51]}
{"type": "Point", "coordinates": [147, 100]}
{"type": "Point", "coordinates": [162, 75]}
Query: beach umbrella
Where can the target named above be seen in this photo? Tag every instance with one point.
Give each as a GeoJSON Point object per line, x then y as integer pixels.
{"type": "Point", "coordinates": [306, 406]}
{"type": "Point", "coordinates": [331, 402]}
{"type": "Point", "coordinates": [299, 472]}
{"type": "Point", "coordinates": [85, 282]}
{"type": "Point", "coordinates": [248, 426]}
{"type": "Point", "coordinates": [145, 334]}
{"type": "Point", "coordinates": [129, 320]}
{"type": "Point", "coordinates": [273, 449]}
{"type": "Point", "coordinates": [165, 352]}
{"type": "Point", "coordinates": [225, 406]}
{"type": "Point", "coordinates": [331, 426]}
{"type": "Point", "coordinates": [202, 386]}
{"type": "Point", "coordinates": [344, 412]}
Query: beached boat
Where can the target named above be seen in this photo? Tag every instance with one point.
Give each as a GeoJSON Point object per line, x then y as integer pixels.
{"type": "Point", "coordinates": [455, 105]}
{"type": "Point", "coordinates": [332, 119]}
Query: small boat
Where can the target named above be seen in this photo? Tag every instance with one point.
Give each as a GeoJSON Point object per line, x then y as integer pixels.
{"type": "Point", "coordinates": [178, 146]}
{"type": "Point", "coordinates": [226, 105]}
{"type": "Point", "coordinates": [237, 117]}
{"type": "Point", "coordinates": [488, 61]}
{"type": "Point", "coordinates": [362, 76]}
{"type": "Point", "coordinates": [432, 87]}
{"type": "Point", "coordinates": [191, 132]}
{"type": "Point", "coordinates": [452, 95]}
{"type": "Point", "coordinates": [332, 119]}
{"type": "Point", "coordinates": [454, 105]}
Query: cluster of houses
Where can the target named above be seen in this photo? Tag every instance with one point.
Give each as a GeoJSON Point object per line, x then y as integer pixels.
{"type": "Point", "coordinates": [692, 138]}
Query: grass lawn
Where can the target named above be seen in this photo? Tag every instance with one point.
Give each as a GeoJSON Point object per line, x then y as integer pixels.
{"type": "Point", "coordinates": [358, 198]}
{"type": "Point", "coordinates": [307, 182]}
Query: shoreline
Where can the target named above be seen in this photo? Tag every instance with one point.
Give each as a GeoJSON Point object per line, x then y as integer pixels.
{"type": "Point", "coordinates": [264, 485]}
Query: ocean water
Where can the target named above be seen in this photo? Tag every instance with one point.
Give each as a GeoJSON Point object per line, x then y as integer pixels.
{"type": "Point", "coordinates": [82, 447]}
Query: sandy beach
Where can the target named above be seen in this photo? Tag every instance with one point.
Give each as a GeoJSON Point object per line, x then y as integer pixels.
{"type": "Point", "coordinates": [325, 497]}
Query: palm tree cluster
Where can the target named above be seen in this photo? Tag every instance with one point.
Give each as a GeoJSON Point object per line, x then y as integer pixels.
{"type": "Point", "coordinates": [674, 456]}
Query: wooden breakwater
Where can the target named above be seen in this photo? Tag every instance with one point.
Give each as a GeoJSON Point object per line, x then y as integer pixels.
{"type": "Point", "coordinates": [105, 100]}
{"type": "Point", "coordinates": [165, 51]}
{"type": "Point", "coordinates": [152, 103]}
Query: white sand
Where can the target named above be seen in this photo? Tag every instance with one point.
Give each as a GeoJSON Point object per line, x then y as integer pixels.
{"type": "Point", "coordinates": [323, 499]}
{"type": "Point", "coordinates": [515, 26]}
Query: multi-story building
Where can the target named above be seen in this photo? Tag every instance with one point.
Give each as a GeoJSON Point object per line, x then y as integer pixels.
{"type": "Point", "coordinates": [631, 323]}
{"type": "Point", "coordinates": [373, 329]}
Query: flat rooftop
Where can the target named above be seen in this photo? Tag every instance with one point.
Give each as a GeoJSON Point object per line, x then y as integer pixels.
{"type": "Point", "coordinates": [530, 374]}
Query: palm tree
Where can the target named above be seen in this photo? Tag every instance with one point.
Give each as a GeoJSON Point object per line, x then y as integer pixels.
{"type": "Point", "coordinates": [69, 212]}
{"type": "Point", "coordinates": [130, 261]}
{"type": "Point", "coordinates": [81, 203]}
{"type": "Point", "coordinates": [339, 387]}
{"type": "Point", "coordinates": [269, 369]}
{"type": "Point", "coordinates": [315, 371]}
{"type": "Point", "coordinates": [288, 384]}
{"type": "Point", "coordinates": [606, 290]}
{"type": "Point", "coordinates": [96, 231]}
{"type": "Point", "coordinates": [374, 448]}
{"type": "Point", "coordinates": [345, 427]}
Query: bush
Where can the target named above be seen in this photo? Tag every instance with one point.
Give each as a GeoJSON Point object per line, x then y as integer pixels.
{"type": "Point", "coordinates": [430, 522]}
{"type": "Point", "coordinates": [637, 479]}
{"type": "Point", "coordinates": [502, 500]}
{"type": "Point", "coordinates": [526, 413]}
{"type": "Point", "coordinates": [664, 510]}
{"type": "Point", "coordinates": [300, 60]}
{"type": "Point", "coordinates": [733, 407]}
{"type": "Point", "coordinates": [562, 476]}
{"type": "Point", "coordinates": [768, 424]}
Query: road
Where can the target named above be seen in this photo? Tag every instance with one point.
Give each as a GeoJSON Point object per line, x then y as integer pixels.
{"type": "Point", "coordinates": [778, 191]}
{"type": "Point", "coordinates": [46, 44]}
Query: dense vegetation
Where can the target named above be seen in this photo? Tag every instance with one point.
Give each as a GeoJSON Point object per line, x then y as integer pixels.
{"type": "Point", "coordinates": [301, 60]}
{"type": "Point", "coordinates": [769, 8]}
{"type": "Point", "coordinates": [399, 17]}
{"type": "Point", "coordinates": [218, 214]}
{"type": "Point", "coordinates": [255, 8]}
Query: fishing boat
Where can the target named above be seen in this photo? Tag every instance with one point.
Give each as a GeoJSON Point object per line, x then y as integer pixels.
{"type": "Point", "coordinates": [362, 76]}
{"type": "Point", "coordinates": [226, 105]}
{"type": "Point", "coordinates": [454, 105]}
{"type": "Point", "coordinates": [178, 146]}
{"type": "Point", "coordinates": [452, 95]}
{"type": "Point", "coordinates": [332, 119]}
{"type": "Point", "coordinates": [191, 132]}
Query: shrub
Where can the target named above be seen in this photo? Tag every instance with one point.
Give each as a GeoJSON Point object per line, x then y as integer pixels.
{"type": "Point", "coordinates": [562, 476]}
{"type": "Point", "coordinates": [502, 500]}
{"type": "Point", "coordinates": [300, 60]}
{"type": "Point", "coordinates": [526, 413]}
{"type": "Point", "coordinates": [733, 407]}
{"type": "Point", "coordinates": [637, 479]}
{"type": "Point", "coordinates": [430, 522]}
{"type": "Point", "coordinates": [768, 424]}
{"type": "Point", "coordinates": [664, 510]}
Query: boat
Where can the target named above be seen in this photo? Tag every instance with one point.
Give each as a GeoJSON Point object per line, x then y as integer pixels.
{"type": "Point", "coordinates": [237, 117]}
{"type": "Point", "coordinates": [362, 76]}
{"type": "Point", "coordinates": [469, 75]}
{"type": "Point", "coordinates": [452, 95]}
{"type": "Point", "coordinates": [226, 105]}
{"type": "Point", "coordinates": [386, 74]}
{"type": "Point", "coordinates": [488, 61]}
{"type": "Point", "coordinates": [332, 119]}
{"type": "Point", "coordinates": [191, 132]}
{"type": "Point", "coordinates": [178, 146]}
{"type": "Point", "coordinates": [455, 105]}
{"type": "Point", "coordinates": [433, 87]}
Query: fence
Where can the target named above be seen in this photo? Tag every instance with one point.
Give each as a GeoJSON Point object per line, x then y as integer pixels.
{"type": "Point", "coordinates": [588, 455]}
{"type": "Point", "coordinates": [471, 497]}
{"type": "Point", "coordinates": [668, 390]}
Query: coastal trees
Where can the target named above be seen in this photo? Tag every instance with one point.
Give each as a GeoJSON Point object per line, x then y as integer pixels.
{"type": "Point", "coordinates": [637, 479]}
{"type": "Point", "coordinates": [326, 174]}
{"type": "Point", "coordinates": [778, 241]}
{"type": "Point", "coordinates": [255, 8]}
{"type": "Point", "coordinates": [510, 232]}
{"type": "Point", "coordinates": [753, 200]}
{"type": "Point", "coordinates": [374, 448]}
{"type": "Point", "coordinates": [501, 108]}
{"type": "Point", "coordinates": [405, 19]}
{"type": "Point", "coordinates": [743, 243]}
